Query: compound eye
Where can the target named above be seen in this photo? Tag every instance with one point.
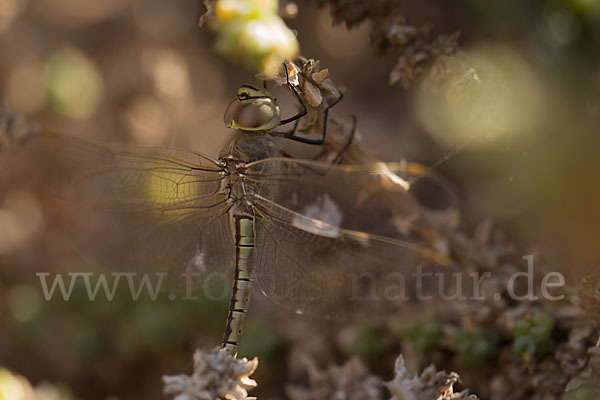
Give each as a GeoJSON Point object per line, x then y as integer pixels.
{"type": "Point", "coordinates": [251, 116]}
{"type": "Point", "coordinates": [230, 113]}
{"type": "Point", "coordinates": [248, 92]}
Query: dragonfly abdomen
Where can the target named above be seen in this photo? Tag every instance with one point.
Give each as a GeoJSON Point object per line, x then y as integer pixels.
{"type": "Point", "coordinates": [243, 280]}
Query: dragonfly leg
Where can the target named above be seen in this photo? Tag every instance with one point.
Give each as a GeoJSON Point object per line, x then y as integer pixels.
{"type": "Point", "coordinates": [301, 113]}
{"type": "Point", "coordinates": [291, 134]}
{"type": "Point", "coordinates": [344, 147]}
{"type": "Point", "coordinates": [348, 142]}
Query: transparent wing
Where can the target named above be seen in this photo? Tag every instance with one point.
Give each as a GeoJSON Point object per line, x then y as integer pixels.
{"type": "Point", "coordinates": [343, 242]}
{"type": "Point", "coordinates": [139, 209]}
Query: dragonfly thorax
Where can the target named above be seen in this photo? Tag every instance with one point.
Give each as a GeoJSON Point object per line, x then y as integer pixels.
{"type": "Point", "coordinates": [246, 147]}
{"type": "Point", "coordinates": [234, 184]}
{"type": "Point", "coordinates": [253, 110]}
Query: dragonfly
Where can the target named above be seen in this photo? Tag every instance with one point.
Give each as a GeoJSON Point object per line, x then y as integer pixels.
{"type": "Point", "coordinates": [323, 239]}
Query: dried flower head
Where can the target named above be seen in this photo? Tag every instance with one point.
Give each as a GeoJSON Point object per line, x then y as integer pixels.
{"type": "Point", "coordinates": [588, 295]}
{"type": "Point", "coordinates": [392, 33]}
{"type": "Point", "coordinates": [353, 12]}
{"type": "Point", "coordinates": [216, 375]}
{"type": "Point", "coordinates": [431, 384]}
{"type": "Point", "coordinates": [318, 91]}
{"type": "Point", "coordinates": [586, 384]}
{"type": "Point", "coordinates": [349, 381]}
{"type": "Point", "coordinates": [307, 76]}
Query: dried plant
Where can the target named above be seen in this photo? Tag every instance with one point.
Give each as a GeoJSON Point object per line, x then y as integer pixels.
{"type": "Point", "coordinates": [588, 295]}
{"type": "Point", "coordinates": [431, 384]}
{"type": "Point", "coordinates": [351, 381]}
{"type": "Point", "coordinates": [569, 363]}
{"type": "Point", "coordinates": [216, 375]}
{"type": "Point", "coordinates": [419, 49]}
{"type": "Point", "coordinates": [587, 383]}
{"type": "Point", "coordinates": [318, 91]}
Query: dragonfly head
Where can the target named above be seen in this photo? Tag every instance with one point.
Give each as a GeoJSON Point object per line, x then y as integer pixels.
{"type": "Point", "coordinates": [254, 110]}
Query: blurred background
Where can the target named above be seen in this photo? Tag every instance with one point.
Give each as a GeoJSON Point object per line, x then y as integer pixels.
{"type": "Point", "coordinates": [142, 71]}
